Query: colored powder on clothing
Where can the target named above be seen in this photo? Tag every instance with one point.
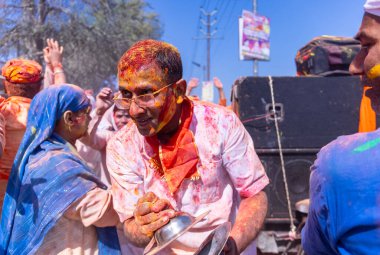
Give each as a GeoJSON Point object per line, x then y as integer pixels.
{"type": "Point", "coordinates": [368, 145]}
{"type": "Point", "coordinates": [374, 72]}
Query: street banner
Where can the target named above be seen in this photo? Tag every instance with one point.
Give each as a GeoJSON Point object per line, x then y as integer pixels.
{"type": "Point", "coordinates": [254, 31]}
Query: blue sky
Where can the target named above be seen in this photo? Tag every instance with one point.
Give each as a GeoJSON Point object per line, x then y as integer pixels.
{"type": "Point", "coordinates": [293, 24]}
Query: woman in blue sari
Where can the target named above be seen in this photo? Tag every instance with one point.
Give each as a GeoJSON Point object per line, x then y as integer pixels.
{"type": "Point", "coordinates": [54, 203]}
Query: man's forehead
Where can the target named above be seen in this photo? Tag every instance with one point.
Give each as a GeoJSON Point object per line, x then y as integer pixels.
{"type": "Point", "coordinates": [131, 86]}
{"type": "Point", "coordinates": [151, 78]}
{"type": "Point", "coordinates": [369, 28]}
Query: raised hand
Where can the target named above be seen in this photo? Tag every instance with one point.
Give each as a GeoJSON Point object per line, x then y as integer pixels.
{"type": "Point", "coordinates": [193, 83]}
{"type": "Point", "coordinates": [104, 100]}
{"type": "Point", "coordinates": [217, 83]}
{"type": "Point", "coordinates": [53, 54]}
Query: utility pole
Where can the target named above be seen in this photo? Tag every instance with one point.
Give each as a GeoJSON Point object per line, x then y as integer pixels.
{"type": "Point", "coordinates": [255, 62]}
{"type": "Point", "coordinates": [208, 36]}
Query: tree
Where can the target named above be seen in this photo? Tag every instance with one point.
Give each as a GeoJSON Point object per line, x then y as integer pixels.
{"type": "Point", "coordinates": [94, 34]}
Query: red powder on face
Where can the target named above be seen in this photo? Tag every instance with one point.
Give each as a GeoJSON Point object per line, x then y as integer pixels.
{"type": "Point", "coordinates": [167, 112]}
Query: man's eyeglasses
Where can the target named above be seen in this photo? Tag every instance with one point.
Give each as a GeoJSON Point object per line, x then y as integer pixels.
{"type": "Point", "coordinates": [146, 100]}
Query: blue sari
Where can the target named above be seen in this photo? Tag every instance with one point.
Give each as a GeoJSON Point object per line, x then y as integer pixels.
{"type": "Point", "coordinates": [47, 177]}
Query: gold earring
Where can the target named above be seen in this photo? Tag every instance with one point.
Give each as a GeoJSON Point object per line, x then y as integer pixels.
{"type": "Point", "coordinates": [179, 100]}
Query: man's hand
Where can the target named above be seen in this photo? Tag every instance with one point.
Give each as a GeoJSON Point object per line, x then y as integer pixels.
{"type": "Point", "coordinates": [103, 101]}
{"type": "Point", "coordinates": [152, 213]}
{"type": "Point", "coordinates": [217, 83]}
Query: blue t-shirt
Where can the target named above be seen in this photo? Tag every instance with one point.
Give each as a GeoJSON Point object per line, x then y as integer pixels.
{"type": "Point", "coordinates": [344, 215]}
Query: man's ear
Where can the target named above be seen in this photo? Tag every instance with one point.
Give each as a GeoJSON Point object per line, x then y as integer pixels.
{"type": "Point", "coordinates": [181, 88]}
{"type": "Point", "coordinates": [68, 118]}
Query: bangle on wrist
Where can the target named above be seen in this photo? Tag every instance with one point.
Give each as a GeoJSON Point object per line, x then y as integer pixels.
{"type": "Point", "coordinates": [58, 71]}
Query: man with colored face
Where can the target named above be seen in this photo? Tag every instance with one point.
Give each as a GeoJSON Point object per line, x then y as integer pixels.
{"type": "Point", "coordinates": [120, 117]}
{"type": "Point", "coordinates": [179, 155]}
{"type": "Point", "coordinates": [344, 212]}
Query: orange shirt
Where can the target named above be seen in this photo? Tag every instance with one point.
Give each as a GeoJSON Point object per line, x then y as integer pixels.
{"type": "Point", "coordinates": [15, 111]}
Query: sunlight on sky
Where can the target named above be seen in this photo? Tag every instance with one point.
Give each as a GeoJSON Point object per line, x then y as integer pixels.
{"type": "Point", "coordinates": [293, 24]}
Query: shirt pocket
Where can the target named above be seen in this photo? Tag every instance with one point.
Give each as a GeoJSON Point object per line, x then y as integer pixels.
{"type": "Point", "coordinates": [210, 184]}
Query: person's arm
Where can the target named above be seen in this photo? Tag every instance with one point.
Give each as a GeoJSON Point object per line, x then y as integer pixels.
{"type": "Point", "coordinates": [2, 134]}
{"type": "Point", "coordinates": [249, 221]}
{"type": "Point", "coordinates": [94, 208]}
{"type": "Point", "coordinates": [222, 97]}
{"type": "Point", "coordinates": [193, 83]}
{"type": "Point", "coordinates": [249, 179]}
{"type": "Point", "coordinates": [53, 58]}
{"type": "Point", "coordinates": [97, 139]}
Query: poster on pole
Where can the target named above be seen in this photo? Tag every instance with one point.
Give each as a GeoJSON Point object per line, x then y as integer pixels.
{"type": "Point", "coordinates": [254, 31]}
{"type": "Point", "coordinates": [207, 91]}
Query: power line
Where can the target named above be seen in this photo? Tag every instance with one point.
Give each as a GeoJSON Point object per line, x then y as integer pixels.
{"type": "Point", "coordinates": [208, 35]}
{"type": "Point", "coordinates": [225, 27]}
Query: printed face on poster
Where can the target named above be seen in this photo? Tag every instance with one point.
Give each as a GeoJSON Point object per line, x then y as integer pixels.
{"type": "Point", "coordinates": [254, 31]}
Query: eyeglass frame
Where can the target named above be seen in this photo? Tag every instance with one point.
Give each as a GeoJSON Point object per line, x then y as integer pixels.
{"type": "Point", "coordinates": [134, 99]}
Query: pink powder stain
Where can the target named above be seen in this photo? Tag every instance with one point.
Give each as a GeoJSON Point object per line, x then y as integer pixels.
{"type": "Point", "coordinates": [245, 193]}
{"type": "Point", "coordinates": [240, 182]}
{"type": "Point", "coordinates": [196, 199]}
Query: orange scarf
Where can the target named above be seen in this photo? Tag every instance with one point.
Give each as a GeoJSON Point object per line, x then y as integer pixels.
{"type": "Point", "coordinates": [179, 157]}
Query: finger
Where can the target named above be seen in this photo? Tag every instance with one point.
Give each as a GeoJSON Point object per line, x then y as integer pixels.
{"type": "Point", "coordinates": [143, 209]}
{"type": "Point", "coordinates": [61, 50]}
{"type": "Point", "coordinates": [148, 197]}
{"type": "Point", "coordinates": [49, 42]}
{"type": "Point", "coordinates": [160, 205]}
{"type": "Point", "coordinates": [109, 102]}
{"type": "Point", "coordinates": [152, 217]}
{"type": "Point", "coordinates": [107, 90]}
{"type": "Point", "coordinates": [102, 94]}
{"type": "Point", "coordinates": [151, 228]}
{"type": "Point", "coordinates": [52, 43]}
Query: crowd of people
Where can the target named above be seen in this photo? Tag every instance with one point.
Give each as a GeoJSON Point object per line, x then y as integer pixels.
{"type": "Point", "coordinates": [88, 176]}
{"type": "Point", "coordinates": [85, 175]}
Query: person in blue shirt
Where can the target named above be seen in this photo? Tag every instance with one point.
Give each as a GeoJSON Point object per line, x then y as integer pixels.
{"type": "Point", "coordinates": [344, 214]}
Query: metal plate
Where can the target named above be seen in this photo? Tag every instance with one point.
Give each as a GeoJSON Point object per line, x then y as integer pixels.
{"type": "Point", "coordinates": [158, 248]}
{"type": "Point", "coordinates": [214, 243]}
